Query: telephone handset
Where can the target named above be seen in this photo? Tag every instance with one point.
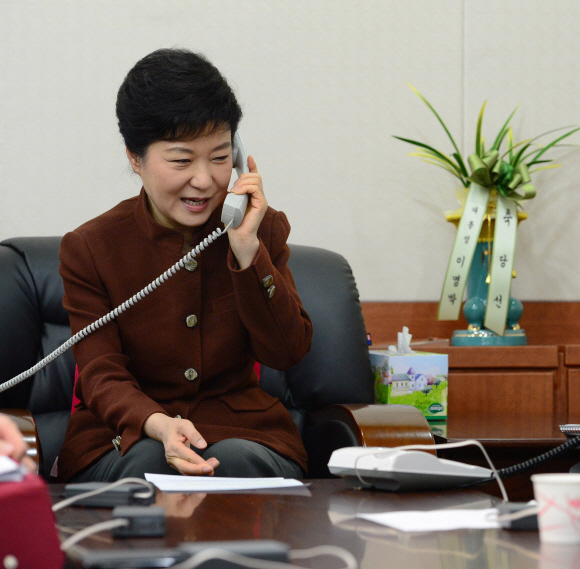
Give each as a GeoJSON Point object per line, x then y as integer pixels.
{"type": "Point", "coordinates": [235, 205]}
{"type": "Point", "coordinates": [233, 212]}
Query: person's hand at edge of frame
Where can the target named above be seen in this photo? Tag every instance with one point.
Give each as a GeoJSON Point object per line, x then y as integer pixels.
{"type": "Point", "coordinates": [13, 445]}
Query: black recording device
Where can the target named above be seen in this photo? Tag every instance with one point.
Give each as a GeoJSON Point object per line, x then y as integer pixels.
{"type": "Point", "coordinates": [142, 521]}
{"type": "Point", "coordinates": [124, 495]}
{"type": "Point", "coordinates": [265, 549]}
{"type": "Point", "coordinates": [528, 523]}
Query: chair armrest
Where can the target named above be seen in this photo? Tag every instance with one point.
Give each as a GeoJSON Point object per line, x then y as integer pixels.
{"type": "Point", "coordinates": [25, 422]}
{"type": "Point", "coordinates": [343, 425]}
{"type": "Point", "coordinates": [380, 425]}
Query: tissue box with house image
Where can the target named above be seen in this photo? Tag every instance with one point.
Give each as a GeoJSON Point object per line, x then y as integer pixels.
{"type": "Point", "coordinates": [405, 377]}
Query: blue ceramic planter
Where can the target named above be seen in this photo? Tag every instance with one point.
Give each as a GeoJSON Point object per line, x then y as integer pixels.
{"type": "Point", "coordinates": [474, 309]}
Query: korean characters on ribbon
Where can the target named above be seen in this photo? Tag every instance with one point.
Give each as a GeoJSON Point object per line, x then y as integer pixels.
{"type": "Point", "coordinates": [462, 252]}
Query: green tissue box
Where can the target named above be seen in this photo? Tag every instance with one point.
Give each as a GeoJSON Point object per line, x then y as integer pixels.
{"type": "Point", "coordinates": [418, 379]}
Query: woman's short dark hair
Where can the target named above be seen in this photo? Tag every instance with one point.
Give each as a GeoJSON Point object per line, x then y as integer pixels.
{"type": "Point", "coordinates": [174, 94]}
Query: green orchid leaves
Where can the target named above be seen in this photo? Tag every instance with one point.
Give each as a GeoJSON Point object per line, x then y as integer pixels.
{"type": "Point", "coordinates": [507, 171]}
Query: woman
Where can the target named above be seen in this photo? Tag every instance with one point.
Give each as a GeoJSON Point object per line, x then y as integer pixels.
{"type": "Point", "coordinates": [169, 385]}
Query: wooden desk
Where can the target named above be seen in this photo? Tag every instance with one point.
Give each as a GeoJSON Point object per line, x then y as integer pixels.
{"type": "Point", "coordinates": [326, 516]}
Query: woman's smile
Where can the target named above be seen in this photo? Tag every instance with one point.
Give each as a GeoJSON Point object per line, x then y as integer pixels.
{"type": "Point", "coordinates": [195, 205]}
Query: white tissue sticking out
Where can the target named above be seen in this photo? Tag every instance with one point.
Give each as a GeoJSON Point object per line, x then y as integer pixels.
{"type": "Point", "coordinates": [404, 343]}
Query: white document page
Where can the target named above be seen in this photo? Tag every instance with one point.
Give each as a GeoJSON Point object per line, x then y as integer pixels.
{"type": "Point", "coordinates": [436, 520]}
{"type": "Point", "coordinates": [178, 483]}
{"type": "Point", "coordinates": [10, 470]}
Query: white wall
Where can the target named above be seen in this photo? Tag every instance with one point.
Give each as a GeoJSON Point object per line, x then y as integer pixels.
{"type": "Point", "coordinates": [322, 85]}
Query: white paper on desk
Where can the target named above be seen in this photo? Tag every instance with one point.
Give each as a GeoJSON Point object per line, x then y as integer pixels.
{"type": "Point", "coordinates": [436, 520]}
{"type": "Point", "coordinates": [10, 470]}
{"type": "Point", "coordinates": [178, 483]}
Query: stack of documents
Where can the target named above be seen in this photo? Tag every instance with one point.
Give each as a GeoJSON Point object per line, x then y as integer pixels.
{"type": "Point", "coordinates": [178, 483]}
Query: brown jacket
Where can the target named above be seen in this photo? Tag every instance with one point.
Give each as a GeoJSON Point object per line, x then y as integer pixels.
{"type": "Point", "coordinates": [143, 362]}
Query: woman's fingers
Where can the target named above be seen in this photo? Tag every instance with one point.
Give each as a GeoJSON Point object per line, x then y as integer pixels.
{"type": "Point", "coordinates": [191, 434]}
{"type": "Point", "coordinates": [248, 184]}
{"type": "Point", "coordinates": [188, 462]}
{"type": "Point", "coordinates": [187, 468]}
{"type": "Point", "coordinates": [252, 164]}
{"type": "Point", "coordinates": [214, 462]}
{"type": "Point", "coordinates": [180, 456]}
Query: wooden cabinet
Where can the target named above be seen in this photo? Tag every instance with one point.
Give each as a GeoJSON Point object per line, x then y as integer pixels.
{"type": "Point", "coordinates": [519, 380]}
{"type": "Point", "coordinates": [542, 378]}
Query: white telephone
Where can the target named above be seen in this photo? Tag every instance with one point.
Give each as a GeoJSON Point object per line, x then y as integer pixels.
{"type": "Point", "coordinates": [235, 205]}
{"type": "Point", "coordinates": [233, 212]}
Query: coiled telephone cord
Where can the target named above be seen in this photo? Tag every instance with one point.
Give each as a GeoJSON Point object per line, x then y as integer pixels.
{"type": "Point", "coordinates": [114, 313]}
{"type": "Point", "coordinates": [531, 463]}
{"type": "Point", "coordinates": [541, 459]}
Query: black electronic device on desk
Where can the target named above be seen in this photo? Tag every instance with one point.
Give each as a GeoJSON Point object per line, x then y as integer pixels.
{"type": "Point", "coordinates": [125, 495]}
{"type": "Point", "coordinates": [264, 549]}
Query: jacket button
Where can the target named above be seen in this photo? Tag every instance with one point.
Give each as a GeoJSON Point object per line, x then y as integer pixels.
{"type": "Point", "coordinates": [191, 265]}
{"type": "Point", "coordinates": [267, 281]}
{"type": "Point", "coordinates": [271, 291]}
{"type": "Point", "coordinates": [191, 320]}
{"type": "Point", "coordinates": [190, 374]}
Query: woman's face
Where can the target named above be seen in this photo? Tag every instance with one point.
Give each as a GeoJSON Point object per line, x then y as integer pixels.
{"type": "Point", "coordinates": [186, 181]}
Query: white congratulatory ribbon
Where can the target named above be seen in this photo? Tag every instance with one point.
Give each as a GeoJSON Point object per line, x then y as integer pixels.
{"type": "Point", "coordinates": [463, 251]}
{"type": "Point", "coordinates": [504, 244]}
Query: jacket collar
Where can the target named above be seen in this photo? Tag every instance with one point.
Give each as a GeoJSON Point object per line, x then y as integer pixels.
{"type": "Point", "coordinates": [166, 237]}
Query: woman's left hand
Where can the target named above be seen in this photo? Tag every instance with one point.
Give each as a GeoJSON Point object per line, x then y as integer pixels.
{"type": "Point", "coordinates": [244, 239]}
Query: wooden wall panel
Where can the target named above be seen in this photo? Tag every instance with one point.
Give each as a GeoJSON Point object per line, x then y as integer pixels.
{"type": "Point", "coordinates": [573, 395]}
{"type": "Point", "coordinates": [544, 322]}
{"type": "Point", "coordinates": [384, 319]}
{"type": "Point", "coordinates": [572, 356]}
{"type": "Point", "coordinates": [482, 393]}
{"type": "Point", "coordinates": [495, 357]}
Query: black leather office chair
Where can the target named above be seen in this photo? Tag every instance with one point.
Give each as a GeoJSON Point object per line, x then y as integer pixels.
{"type": "Point", "coordinates": [329, 393]}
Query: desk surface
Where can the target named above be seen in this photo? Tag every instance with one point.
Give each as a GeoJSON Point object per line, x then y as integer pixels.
{"type": "Point", "coordinates": [325, 515]}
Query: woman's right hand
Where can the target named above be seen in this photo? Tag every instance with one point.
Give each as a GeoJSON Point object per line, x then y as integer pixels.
{"type": "Point", "coordinates": [177, 435]}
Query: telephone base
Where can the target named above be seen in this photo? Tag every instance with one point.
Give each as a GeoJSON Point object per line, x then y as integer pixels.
{"type": "Point", "coordinates": [395, 470]}
{"type": "Point", "coordinates": [404, 481]}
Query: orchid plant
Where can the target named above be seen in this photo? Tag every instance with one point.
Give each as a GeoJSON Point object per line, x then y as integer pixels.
{"type": "Point", "coordinates": [503, 169]}
{"type": "Point", "coordinates": [497, 179]}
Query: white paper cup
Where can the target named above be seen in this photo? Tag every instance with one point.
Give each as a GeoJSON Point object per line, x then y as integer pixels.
{"type": "Point", "coordinates": [558, 498]}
